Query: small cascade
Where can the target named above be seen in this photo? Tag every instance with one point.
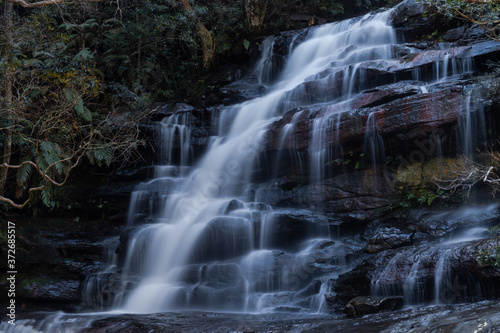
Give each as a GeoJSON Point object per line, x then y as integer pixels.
{"type": "Point", "coordinates": [98, 293]}
{"type": "Point", "coordinates": [472, 130]}
{"type": "Point", "coordinates": [265, 69]}
{"type": "Point", "coordinates": [443, 69]}
{"type": "Point", "coordinates": [441, 276]}
{"type": "Point", "coordinates": [175, 133]}
{"type": "Point", "coordinates": [373, 142]}
{"type": "Point", "coordinates": [429, 273]}
{"type": "Point", "coordinates": [285, 138]}
{"type": "Point", "coordinates": [323, 151]}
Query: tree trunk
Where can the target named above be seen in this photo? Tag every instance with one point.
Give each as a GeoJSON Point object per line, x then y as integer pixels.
{"type": "Point", "coordinates": [7, 148]}
{"type": "Point", "coordinates": [206, 38]}
{"type": "Point", "coordinates": [256, 12]}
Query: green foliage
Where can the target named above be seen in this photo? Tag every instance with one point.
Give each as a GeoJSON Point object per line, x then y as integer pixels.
{"type": "Point", "coordinates": [421, 197]}
{"type": "Point", "coordinates": [58, 111]}
{"type": "Point", "coordinates": [483, 13]}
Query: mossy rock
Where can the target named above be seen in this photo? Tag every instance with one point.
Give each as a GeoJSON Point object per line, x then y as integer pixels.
{"type": "Point", "coordinates": [426, 173]}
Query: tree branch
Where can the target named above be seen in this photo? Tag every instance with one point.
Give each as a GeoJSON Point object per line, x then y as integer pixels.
{"type": "Point", "coordinates": [21, 206]}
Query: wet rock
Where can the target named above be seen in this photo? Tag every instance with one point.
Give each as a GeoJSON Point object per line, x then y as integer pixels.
{"type": "Point", "coordinates": [223, 238]}
{"type": "Point", "coordinates": [220, 285]}
{"type": "Point", "coordinates": [233, 205]}
{"type": "Point", "coordinates": [347, 192]}
{"type": "Point", "coordinates": [455, 34]}
{"type": "Point", "coordinates": [439, 223]}
{"type": "Point", "coordinates": [458, 318]}
{"type": "Point", "coordinates": [287, 228]}
{"type": "Point", "coordinates": [404, 118]}
{"type": "Point", "coordinates": [226, 74]}
{"type": "Point", "coordinates": [171, 108]}
{"type": "Point", "coordinates": [102, 288]}
{"type": "Point", "coordinates": [364, 305]}
{"type": "Point", "coordinates": [407, 9]}
{"type": "Point", "coordinates": [388, 238]}
{"type": "Point", "coordinates": [418, 60]}
{"type": "Point", "coordinates": [64, 291]}
{"type": "Point", "coordinates": [241, 91]}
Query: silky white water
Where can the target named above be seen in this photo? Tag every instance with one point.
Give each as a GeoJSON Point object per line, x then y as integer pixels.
{"type": "Point", "coordinates": [161, 255]}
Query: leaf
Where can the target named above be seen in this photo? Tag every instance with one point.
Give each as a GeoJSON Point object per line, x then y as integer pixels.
{"type": "Point", "coordinates": [246, 44]}
{"type": "Point", "coordinates": [34, 93]}
{"type": "Point", "coordinates": [82, 110]}
{"type": "Point", "coordinates": [23, 174]}
{"type": "Point", "coordinates": [51, 153]}
{"type": "Point", "coordinates": [92, 23]}
{"type": "Point", "coordinates": [70, 95]}
{"type": "Point", "coordinates": [46, 196]}
{"type": "Point", "coordinates": [103, 155]}
{"type": "Point", "coordinates": [83, 56]}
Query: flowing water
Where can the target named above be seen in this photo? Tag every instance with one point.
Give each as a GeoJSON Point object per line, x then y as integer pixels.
{"type": "Point", "coordinates": [212, 247]}
{"type": "Point", "coordinates": [199, 239]}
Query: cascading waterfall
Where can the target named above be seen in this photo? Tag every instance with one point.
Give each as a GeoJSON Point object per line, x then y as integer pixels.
{"type": "Point", "coordinates": [199, 237]}
{"type": "Point", "coordinates": [210, 230]}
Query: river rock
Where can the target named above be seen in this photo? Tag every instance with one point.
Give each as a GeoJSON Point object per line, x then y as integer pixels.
{"type": "Point", "coordinates": [364, 305]}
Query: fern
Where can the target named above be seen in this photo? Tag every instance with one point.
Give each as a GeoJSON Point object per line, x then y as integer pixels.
{"type": "Point", "coordinates": [102, 155]}
{"type": "Point", "coordinates": [23, 173]}
{"type": "Point", "coordinates": [83, 56]}
{"type": "Point", "coordinates": [46, 196]}
{"type": "Point", "coordinates": [82, 110]}
{"type": "Point", "coordinates": [52, 153]}
{"type": "Point", "coordinates": [70, 95]}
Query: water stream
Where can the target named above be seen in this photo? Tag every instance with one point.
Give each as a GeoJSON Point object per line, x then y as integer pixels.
{"type": "Point", "coordinates": [213, 248]}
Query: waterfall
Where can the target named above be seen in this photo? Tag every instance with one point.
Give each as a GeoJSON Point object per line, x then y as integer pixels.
{"type": "Point", "coordinates": [209, 230]}
{"type": "Point", "coordinates": [213, 233]}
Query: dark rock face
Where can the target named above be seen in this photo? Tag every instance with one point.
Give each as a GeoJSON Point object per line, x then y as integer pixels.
{"type": "Point", "coordinates": [364, 305]}
{"type": "Point", "coordinates": [65, 291]}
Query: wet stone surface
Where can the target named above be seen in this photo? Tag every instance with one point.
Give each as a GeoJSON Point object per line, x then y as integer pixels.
{"type": "Point", "coordinates": [457, 318]}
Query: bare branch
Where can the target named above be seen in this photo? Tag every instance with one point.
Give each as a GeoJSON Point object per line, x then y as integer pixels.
{"type": "Point", "coordinates": [21, 206]}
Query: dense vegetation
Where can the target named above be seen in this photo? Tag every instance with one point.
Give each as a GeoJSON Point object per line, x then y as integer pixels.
{"type": "Point", "coordinates": [80, 76]}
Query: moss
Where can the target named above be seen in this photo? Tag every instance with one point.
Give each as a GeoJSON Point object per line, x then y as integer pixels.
{"type": "Point", "coordinates": [427, 173]}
